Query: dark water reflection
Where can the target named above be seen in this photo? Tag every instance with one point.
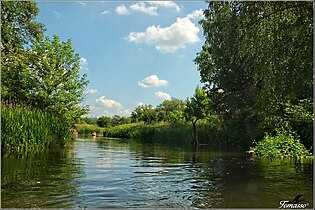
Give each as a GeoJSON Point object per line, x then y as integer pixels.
{"type": "Point", "coordinates": [103, 173]}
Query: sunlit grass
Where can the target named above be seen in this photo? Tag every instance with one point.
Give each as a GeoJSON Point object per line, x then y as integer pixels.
{"type": "Point", "coordinates": [86, 129]}
{"type": "Point", "coordinates": [23, 128]}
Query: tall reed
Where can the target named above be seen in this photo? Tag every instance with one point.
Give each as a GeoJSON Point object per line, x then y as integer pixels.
{"type": "Point", "coordinates": [23, 128]}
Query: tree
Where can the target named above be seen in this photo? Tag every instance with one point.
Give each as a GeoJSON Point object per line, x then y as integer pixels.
{"type": "Point", "coordinates": [37, 71]}
{"type": "Point", "coordinates": [104, 121]}
{"type": "Point", "coordinates": [18, 29]}
{"type": "Point", "coordinates": [197, 107]}
{"type": "Point", "coordinates": [18, 25]}
{"type": "Point", "coordinates": [116, 120]}
{"type": "Point", "coordinates": [176, 116]}
{"type": "Point", "coordinates": [170, 110]}
{"type": "Point", "coordinates": [145, 113]}
{"type": "Point", "coordinates": [257, 57]}
{"type": "Point", "coordinates": [53, 71]}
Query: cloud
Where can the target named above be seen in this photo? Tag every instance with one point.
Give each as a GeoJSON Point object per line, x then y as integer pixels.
{"type": "Point", "coordinates": [57, 14]}
{"type": "Point", "coordinates": [140, 104]}
{"type": "Point", "coordinates": [105, 12]}
{"type": "Point", "coordinates": [121, 10]}
{"type": "Point", "coordinates": [165, 4]}
{"type": "Point", "coordinates": [82, 3]}
{"type": "Point", "coordinates": [83, 64]}
{"type": "Point", "coordinates": [90, 91]}
{"type": "Point", "coordinates": [168, 39]}
{"type": "Point", "coordinates": [108, 103]}
{"type": "Point", "coordinates": [98, 111]}
{"type": "Point", "coordinates": [163, 96]}
{"type": "Point", "coordinates": [196, 14]}
{"type": "Point", "coordinates": [141, 7]}
{"type": "Point", "coordinates": [152, 81]}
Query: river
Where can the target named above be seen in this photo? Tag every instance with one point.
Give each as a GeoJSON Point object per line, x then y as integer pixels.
{"type": "Point", "coordinates": [113, 173]}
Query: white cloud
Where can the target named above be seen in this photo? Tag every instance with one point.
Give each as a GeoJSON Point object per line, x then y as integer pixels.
{"type": "Point", "coordinates": [101, 111]}
{"type": "Point", "coordinates": [57, 14]}
{"type": "Point", "coordinates": [108, 103]}
{"type": "Point", "coordinates": [141, 7]}
{"type": "Point", "coordinates": [105, 12]}
{"type": "Point", "coordinates": [121, 10]}
{"type": "Point", "coordinates": [82, 3]}
{"type": "Point", "coordinates": [83, 64]}
{"type": "Point", "coordinates": [140, 104]}
{"type": "Point", "coordinates": [90, 91]}
{"type": "Point", "coordinates": [152, 81]}
{"type": "Point", "coordinates": [168, 39]}
{"type": "Point", "coordinates": [162, 95]}
{"type": "Point", "coordinates": [165, 4]}
{"type": "Point", "coordinates": [196, 14]}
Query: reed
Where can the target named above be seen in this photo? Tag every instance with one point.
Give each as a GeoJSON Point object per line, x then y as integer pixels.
{"type": "Point", "coordinates": [87, 129]}
{"type": "Point", "coordinates": [23, 128]}
{"type": "Point", "coordinates": [163, 132]}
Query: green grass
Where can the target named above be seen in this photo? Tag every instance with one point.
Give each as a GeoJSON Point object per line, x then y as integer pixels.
{"type": "Point", "coordinates": [160, 132]}
{"type": "Point", "coordinates": [23, 129]}
{"type": "Point", "coordinates": [87, 129]}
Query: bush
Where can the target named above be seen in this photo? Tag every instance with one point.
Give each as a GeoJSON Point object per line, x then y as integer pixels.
{"type": "Point", "coordinates": [282, 145]}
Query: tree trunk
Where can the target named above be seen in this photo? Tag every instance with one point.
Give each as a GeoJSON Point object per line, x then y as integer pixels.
{"type": "Point", "coordinates": [194, 133]}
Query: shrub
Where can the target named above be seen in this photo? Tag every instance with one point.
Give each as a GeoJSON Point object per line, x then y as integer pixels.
{"type": "Point", "coordinates": [282, 145]}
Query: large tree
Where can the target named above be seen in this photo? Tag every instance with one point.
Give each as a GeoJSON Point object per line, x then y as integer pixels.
{"type": "Point", "coordinates": [52, 70]}
{"type": "Point", "coordinates": [257, 59]}
{"type": "Point", "coordinates": [37, 71]}
{"type": "Point", "coordinates": [18, 29]}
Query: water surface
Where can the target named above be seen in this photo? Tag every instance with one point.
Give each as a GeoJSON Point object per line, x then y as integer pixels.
{"type": "Point", "coordinates": [112, 173]}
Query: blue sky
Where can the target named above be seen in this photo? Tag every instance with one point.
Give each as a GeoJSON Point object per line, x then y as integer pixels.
{"type": "Point", "coordinates": [133, 52]}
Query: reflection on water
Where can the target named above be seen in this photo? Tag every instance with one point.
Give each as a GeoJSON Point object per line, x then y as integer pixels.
{"type": "Point", "coordinates": [39, 180]}
{"type": "Point", "coordinates": [103, 173]}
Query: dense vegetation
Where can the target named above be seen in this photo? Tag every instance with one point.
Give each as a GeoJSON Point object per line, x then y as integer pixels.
{"type": "Point", "coordinates": [24, 129]}
{"type": "Point", "coordinates": [39, 73]}
{"type": "Point", "coordinates": [256, 64]}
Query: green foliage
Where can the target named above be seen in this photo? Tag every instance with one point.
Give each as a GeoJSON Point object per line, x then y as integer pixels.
{"type": "Point", "coordinates": [282, 145]}
{"type": "Point", "coordinates": [37, 71]}
{"type": "Point", "coordinates": [167, 111]}
{"type": "Point", "coordinates": [90, 120]}
{"type": "Point", "coordinates": [163, 132]}
{"type": "Point", "coordinates": [18, 25]}
{"type": "Point", "coordinates": [118, 120]}
{"type": "Point", "coordinates": [145, 113]}
{"type": "Point", "coordinates": [176, 116]}
{"type": "Point", "coordinates": [256, 64]}
{"type": "Point", "coordinates": [301, 118]}
{"type": "Point", "coordinates": [158, 132]}
{"type": "Point", "coordinates": [23, 129]}
{"type": "Point", "coordinates": [57, 85]}
{"type": "Point", "coordinates": [198, 106]}
{"type": "Point", "coordinates": [104, 121]}
{"type": "Point", "coordinates": [87, 129]}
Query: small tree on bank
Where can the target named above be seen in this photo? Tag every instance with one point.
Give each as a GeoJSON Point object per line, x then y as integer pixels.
{"type": "Point", "coordinates": [197, 107]}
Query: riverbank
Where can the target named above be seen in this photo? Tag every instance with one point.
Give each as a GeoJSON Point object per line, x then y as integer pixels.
{"type": "Point", "coordinates": [160, 132]}
{"type": "Point", "coordinates": [23, 128]}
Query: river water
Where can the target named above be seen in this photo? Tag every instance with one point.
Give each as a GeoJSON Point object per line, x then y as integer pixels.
{"type": "Point", "coordinates": [113, 173]}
